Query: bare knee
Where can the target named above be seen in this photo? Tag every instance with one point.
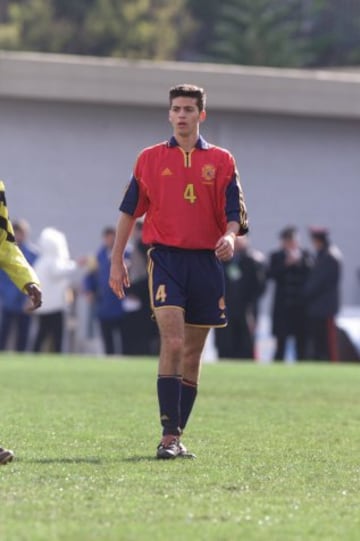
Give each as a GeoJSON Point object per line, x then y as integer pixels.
{"type": "Point", "coordinates": [171, 354]}
{"type": "Point", "coordinates": [173, 345]}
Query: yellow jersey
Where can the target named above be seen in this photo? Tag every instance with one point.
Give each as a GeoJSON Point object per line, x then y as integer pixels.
{"type": "Point", "coordinates": [12, 260]}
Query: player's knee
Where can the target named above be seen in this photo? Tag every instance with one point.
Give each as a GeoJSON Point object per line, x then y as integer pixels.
{"type": "Point", "coordinates": [174, 345]}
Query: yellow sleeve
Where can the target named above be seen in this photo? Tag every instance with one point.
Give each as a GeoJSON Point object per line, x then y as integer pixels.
{"type": "Point", "coordinates": [12, 260]}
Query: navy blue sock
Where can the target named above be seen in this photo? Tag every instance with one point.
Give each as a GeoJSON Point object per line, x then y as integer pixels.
{"type": "Point", "coordinates": [188, 396]}
{"type": "Point", "coordinates": [169, 393]}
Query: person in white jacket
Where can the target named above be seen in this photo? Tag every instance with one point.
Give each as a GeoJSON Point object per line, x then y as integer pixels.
{"type": "Point", "coordinates": [56, 271]}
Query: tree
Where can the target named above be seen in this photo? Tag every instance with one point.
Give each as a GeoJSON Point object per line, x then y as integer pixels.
{"type": "Point", "coordinates": [259, 32]}
{"type": "Point", "coordinates": [153, 29]}
{"type": "Point", "coordinates": [36, 28]}
{"type": "Point", "coordinates": [306, 33]}
{"type": "Point", "coordinates": [333, 32]}
{"type": "Point", "coordinates": [206, 14]}
{"type": "Point", "coordinates": [137, 29]}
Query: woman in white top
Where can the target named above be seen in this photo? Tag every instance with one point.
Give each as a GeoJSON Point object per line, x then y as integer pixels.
{"type": "Point", "coordinates": [56, 271]}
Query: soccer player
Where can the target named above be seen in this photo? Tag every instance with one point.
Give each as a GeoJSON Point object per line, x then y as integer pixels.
{"type": "Point", "coordinates": [13, 262]}
{"type": "Point", "coordinates": [190, 194]}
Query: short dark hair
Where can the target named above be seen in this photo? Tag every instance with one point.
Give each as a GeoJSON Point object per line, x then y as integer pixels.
{"type": "Point", "coordinates": [288, 232]}
{"type": "Point", "coordinates": [189, 91]}
{"type": "Point", "coordinates": [108, 230]}
{"type": "Point", "coordinates": [320, 233]}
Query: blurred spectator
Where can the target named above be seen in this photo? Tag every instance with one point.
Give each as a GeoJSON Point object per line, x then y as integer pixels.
{"type": "Point", "coordinates": [289, 268]}
{"type": "Point", "coordinates": [137, 304]}
{"type": "Point", "coordinates": [56, 272]}
{"type": "Point", "coordinates": [15, 321]}
{"type": "Point", "coordinates": [245, 280]}
{"type": "Point", "coordinates": [106, 306]}
{"type": "Point", "coordinates": [322, 291]}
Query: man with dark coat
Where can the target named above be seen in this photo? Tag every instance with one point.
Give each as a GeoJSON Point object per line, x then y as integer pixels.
{"type": "Point", "coordinates": [322, 291]}
{"type": "Point", "coordinates": [289, 268]}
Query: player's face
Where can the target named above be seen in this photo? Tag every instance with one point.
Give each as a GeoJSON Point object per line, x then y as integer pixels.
{"type": "Point", "coordinates": [185, 117]}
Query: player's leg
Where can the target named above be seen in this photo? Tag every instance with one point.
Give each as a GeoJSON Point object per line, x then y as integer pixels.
{"type": "Point", "coordinates": [205, 308]}
{"type": "Point", "coordinates": [171, 326]}
{"type": "Point", "coordinates": [167, 278]}
{"type": "Point", "coordinates": [194, 344]}
{"type": "Point", "coordinates": [170, 321]}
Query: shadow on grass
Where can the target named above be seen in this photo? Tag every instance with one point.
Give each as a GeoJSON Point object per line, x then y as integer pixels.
{"type": "Point", "coordinates": [86, 460]}
{"type": "Point", "coordinates": [134, 459]}
{"type": "Point", "coordinates": [69, 460]}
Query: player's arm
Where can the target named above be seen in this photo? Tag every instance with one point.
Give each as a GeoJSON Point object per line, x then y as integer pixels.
{"type": "Point", "coordinates": [236, 216]}
{"type": "Point", "coordinates": [235, 206]}
{"type": "Point", "coordinates": [33, 291]}
{"type": "Point", "coordinates": [14, 263]}
{"type": "Point", "coordinates": [133, 205]}
{"type": "Point", "coordinates": [224, 249]}
{"type": "Point", "coordinates": [119, 277]}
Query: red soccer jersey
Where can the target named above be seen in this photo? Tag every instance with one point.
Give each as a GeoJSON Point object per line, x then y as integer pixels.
{"type": "Point", "coordinates": [188, 197]}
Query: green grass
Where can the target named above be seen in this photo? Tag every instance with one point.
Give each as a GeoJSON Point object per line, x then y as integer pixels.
{"type": "Point", "coordinates": [278, 453]}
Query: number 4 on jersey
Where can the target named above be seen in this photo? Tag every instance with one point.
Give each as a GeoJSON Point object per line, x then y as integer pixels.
{"type": "Point", "coordinates": [189, 193]}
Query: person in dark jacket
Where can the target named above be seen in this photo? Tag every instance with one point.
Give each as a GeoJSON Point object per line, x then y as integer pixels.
{"type": "Point", "coordinates": [322, 292]}
{"type": "Point", "coordinates": [107, 306]}
{"type": "Point", "coordinates": [245, 281]}
{"type": "Point", "coordinates": [289, 268]}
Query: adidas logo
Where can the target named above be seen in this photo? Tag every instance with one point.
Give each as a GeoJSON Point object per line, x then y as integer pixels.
{"type": "Point", "coordinates": [166, 172]}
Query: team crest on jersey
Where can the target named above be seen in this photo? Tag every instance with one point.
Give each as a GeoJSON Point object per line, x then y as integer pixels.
{"type": "Point", "coordinates": [208, 172]}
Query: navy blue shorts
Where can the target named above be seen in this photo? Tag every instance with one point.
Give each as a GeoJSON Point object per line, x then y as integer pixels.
{"type": "Point", "coordinates": [192, 280]}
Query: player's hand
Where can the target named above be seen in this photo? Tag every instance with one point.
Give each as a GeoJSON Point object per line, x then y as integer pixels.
{"type": "Point", "coordinates": [224, 249]}
{"type": "Point", "coordinates": [34, 293]}
{"type": "Point", "coordinates": [119, 278]}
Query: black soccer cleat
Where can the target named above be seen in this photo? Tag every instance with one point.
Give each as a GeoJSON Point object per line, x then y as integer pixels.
{"type": "Point", "coordinates": [6, 456]}
{"type": "Point", "coordinates": [168, 450]}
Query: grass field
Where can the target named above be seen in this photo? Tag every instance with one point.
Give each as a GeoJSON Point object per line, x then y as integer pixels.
{"type": "Point", "coordinates": [278, 453]}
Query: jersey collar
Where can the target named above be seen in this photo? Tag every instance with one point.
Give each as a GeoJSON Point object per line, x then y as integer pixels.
{"type": "Point", "coordinates": [200, 143]}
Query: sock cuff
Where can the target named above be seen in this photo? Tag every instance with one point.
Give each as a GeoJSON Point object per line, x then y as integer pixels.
{"type": "Point", "coordinates": [189, 383]}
